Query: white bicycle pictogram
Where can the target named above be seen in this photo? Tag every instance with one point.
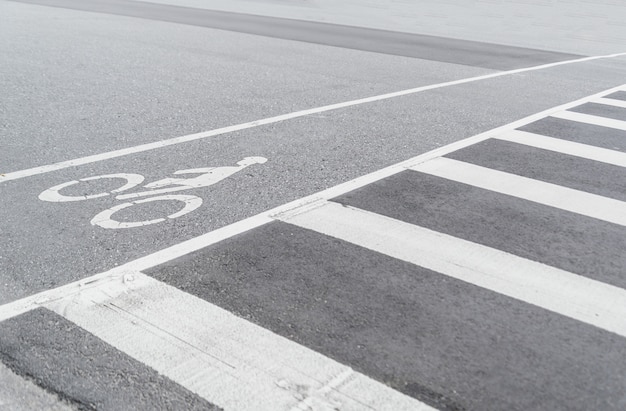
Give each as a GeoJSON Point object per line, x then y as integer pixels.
{"type": "Point", "coordinates": [156, 191]}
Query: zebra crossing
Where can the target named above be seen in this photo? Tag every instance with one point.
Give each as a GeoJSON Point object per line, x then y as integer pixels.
{"type": "Point", "coordinates": [490, 274]}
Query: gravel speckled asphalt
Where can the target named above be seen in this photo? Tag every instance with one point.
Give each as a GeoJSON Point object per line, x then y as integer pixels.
{"type": "Point", "coordinates": [77, 83]}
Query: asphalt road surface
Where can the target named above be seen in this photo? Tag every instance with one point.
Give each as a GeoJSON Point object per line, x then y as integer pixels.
{"type": "Point", "coordinates": [209, 206]}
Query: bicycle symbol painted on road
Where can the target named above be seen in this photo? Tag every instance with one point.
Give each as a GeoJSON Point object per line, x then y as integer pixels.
{"type": "Point", "coordinates": [156, 191]}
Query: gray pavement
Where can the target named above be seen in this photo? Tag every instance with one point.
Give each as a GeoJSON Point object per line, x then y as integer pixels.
{"type": "Point", "coordinates": [80, 83]}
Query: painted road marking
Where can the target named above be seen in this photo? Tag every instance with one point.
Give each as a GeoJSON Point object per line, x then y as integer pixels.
{"type": "Point", "coordinates": [610, 102]}
{"type": "Point", "coordinates": [591, 205]}
{"type": "Point", "coordinates": [572, 295]}
{"type": "Point", "coordinates": [186, 247]}
{"type": "Point", "coordinates": [591, 119]}
{"type": "Point", "coordinates": [210, 351]}
{"type": "Point", "coordinates": [217, 355]}
{"type": "Point", "coordinates": [617, 158]}
{"type": "Point", "coordinates": [205, 177]}
{"type": "Point", "coordinates": [8, 176]}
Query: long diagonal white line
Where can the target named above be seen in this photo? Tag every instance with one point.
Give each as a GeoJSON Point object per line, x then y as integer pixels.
{"type": "Point", "coordinates": [592, 302]}
{"type": "Point", "coordinates": [591, 119]}
{"type": "Point", "coordinates": [580, 202]}
{"type": "Point", "coordinates": [8, 176]}
{"type": "Point", "coordinates": [604, 155]}
{"type": "Point", "coordinates": [31, 302]}
{"type": "Point", "coordinates": [223, 358]}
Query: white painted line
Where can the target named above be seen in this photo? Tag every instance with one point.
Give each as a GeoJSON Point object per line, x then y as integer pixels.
{"type": "Point", "coordinates": [26, 304]}
{"type": "Point", "coordinates": [225, 359]}
{"type": "Point", "coordinates": [271, 120]}
{"type": "Point", "coordinates": [580, 202]}
{"type": "Point", "coordinates": [571, 148]}
{"type": "Point", "coordinates": [610, 102]}
{"type": "Point", "coordinates": [591, 119]}
{"type": "Point", "coordinates": [592, 302]}
{"type": "Point", "coordinates": [186, 247]}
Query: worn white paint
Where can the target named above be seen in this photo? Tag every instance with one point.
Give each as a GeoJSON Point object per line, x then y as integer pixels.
{"type": "Point", "coordinates": [199, 345]}
{"type": "Point", "coordinates": [604, 155]}
{"type": "Point", "coordinates": [189, 246]}
{"type": "Point", "coordinates": [217, 355]}
{"type": "Point", "coordinates": [591, 205]}
{"type": "Point", "coordinates": [568, 294]}
{"type": "Point", "coordinates": [591, 119]}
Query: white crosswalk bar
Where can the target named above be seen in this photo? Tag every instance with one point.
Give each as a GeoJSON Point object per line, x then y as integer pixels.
{"type": "Point", "coordinates": [590, 119]}
{"type": "Point", "coordinates": [225, 359]}
{"type": "Point", "coordinates": [604, 155]}
{"type": "Point", "coordinates": [571, 295]}
{"type": "Point", "coordinates": [580, 202]}
{"type": "Point", "coordinates": [610, 102]}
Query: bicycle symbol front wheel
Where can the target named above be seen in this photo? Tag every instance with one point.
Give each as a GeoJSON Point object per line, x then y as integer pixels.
{"type": "Point", "coordinates": [105, 218]}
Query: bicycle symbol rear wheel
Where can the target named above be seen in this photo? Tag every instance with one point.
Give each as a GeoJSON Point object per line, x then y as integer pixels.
{"type": "Point", "coordinates": [53, 193]}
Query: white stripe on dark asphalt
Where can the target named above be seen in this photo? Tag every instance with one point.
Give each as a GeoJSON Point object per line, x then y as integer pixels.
{"type": "Point", "coordinates": [604, 155]}
{"type": "Point", "coordinates": [591, 119]}
{"type": "Point", "coordinates": [239, 365]}
{"type": "Point", "coordinates": [610, 102]}
{"type": "Point", "coordinates": [572, 295]}
{"type": "Point", "coordinates": [223, 358]}
{"type": "Point", "coordinates": [580, 202]}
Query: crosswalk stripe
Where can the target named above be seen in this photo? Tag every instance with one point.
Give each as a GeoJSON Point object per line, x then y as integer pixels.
{"type": "Point", "coordinates": [217, 355]}
{"type": "Point", "coordinates": [558, 145]}
{"type": "Point", "coordinates": [610, 102]}
{"type": "Point", "coordinates": [580, 202]}
{"type": "Point", "coordinates": [590, 119]}
{"type": "Point", "coordinates": [568, 294]}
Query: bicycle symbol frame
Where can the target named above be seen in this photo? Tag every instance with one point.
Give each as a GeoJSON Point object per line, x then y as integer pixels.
{"type": "Point", "coordinates": [156, 191]}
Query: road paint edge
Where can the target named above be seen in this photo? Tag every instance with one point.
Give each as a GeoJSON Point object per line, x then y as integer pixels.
{"type": "Point", "coordinates": [15, 175]}
{"type": "Point", "coordinates": [590, 301]}
{"type": "Point", "coordinates": [28, 303]}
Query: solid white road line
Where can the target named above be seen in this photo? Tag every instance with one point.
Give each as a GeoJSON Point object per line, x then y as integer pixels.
{"type": "Point", "coordinates": [610, 102]}
{"type": "Point", "coordinates": [571, 295]}
{"type": "Point", "coordinates": [591, 119]}
{"type": "Point", "coordinates": [591, 205]}
{"type": "Point", "coordinates": [604, 155]}
{"type": "Point", "coordinates": [33, 301]}
{"type": "Point", "coordinates": [212, 133]}
{"type": "Point", "coordinates": [225, 359]}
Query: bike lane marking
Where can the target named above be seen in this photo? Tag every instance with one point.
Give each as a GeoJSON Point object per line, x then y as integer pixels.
{"type": "Point", "coordinates": [93, 302]}
{"type": "Point", "coordinates": [206, 176]}
{"type": "Point", "coordinates": [14, 175]}
{"type": "Point", "coordinates": [194, 244]}
{"type": "Point", "coordinates": [186, 247]}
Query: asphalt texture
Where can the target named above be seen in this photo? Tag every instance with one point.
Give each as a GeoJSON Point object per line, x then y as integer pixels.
{"type": "Point", "coordinates": [603, 179]}
{"type": "Point", "coordinates": [101, 76]}
{"type": "Point", "coordinates": [64, 359]}
{"type": "Point", "coordinates": [579, 133]}
{"type": "Point", "coordinates": [455, 51]}
{"type": "Point", "coordinates": [448, 343]}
